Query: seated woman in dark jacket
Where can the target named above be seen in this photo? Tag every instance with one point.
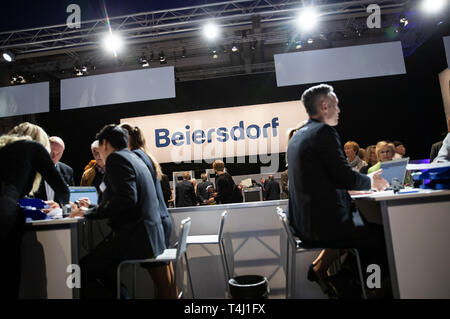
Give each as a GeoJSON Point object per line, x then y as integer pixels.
{"type": "Point", "coordinates": [162, 274]}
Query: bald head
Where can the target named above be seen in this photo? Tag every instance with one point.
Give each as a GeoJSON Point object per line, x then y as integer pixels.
{"type": "Point", "coordinates": [57, 148]}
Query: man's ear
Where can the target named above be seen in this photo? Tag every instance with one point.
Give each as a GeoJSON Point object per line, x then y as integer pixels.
{"type": "Point", "coordinates": [323, 105]}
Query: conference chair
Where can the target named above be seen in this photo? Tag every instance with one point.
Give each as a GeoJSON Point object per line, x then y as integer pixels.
{"type": "Point", "coordinates": [172, 254]}
{"type": "Point", "coordinates": [216, 239]}
{"type": "Point", "coordinates": [297, 247]}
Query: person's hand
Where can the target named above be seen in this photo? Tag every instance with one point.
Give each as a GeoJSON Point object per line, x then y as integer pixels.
{"type": "Point", "coordinates": [84, 202]}
{"type": "Point", "coordinates": [77, 211]}
{"type": "Point", "coordinates": [378, 182]}
{"type": "Point", "coordinates": [52, 205]}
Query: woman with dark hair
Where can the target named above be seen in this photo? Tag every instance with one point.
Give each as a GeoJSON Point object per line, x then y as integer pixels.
{"type": "Point", "coordinates": [162, 274]}
{"type": "Point", "coordinates": [24, 160]}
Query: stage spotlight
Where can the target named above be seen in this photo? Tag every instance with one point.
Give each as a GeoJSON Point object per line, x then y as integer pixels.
{"type": "Point", "coordinates": [357, 31]}
{"type": "Point", "coordinates": [403, 22]}
{"type": "Point", "coordinates": [298, 45]}
{"type": "Point", "coordinates": [234, 48]}
{"type": "Point", "coordinates": [211, 31]}
{"type": "Point", "coordinates": [307, 18]}
{"type": "Point", "coordinates": [8, 56]}
{"type": "Point", "coordinates": [80, 70]}
{"type": "Point", "coordinates": [310, 41]}
{"type": "Point", "coordinates": [433, 6]}
{"type": "Point", "coordinates": [17, 79]}
{"type": "Point", "coordinates": [162, 58]}
{"type": "Point", "coordinates": [214, 53]}
{"type": "Point", "coordinates": [113, 43]}
{"type": "Point", "coordinates": [143, 61]}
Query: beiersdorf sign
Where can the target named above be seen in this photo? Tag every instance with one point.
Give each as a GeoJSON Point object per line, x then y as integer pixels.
{"type": "Point", "coordinates": [255, 130]}
{"type": "Point", "coordinates": [163, 137]}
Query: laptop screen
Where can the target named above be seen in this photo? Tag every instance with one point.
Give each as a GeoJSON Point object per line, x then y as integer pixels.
{"type": "Point", "coordinates": [394, 170]}
{"type": "Point", "coordinates": [76, 192]}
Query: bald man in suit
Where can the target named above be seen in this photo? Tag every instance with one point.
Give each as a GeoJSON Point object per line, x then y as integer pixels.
{"type": "Point", "coordinates": [57, 147]}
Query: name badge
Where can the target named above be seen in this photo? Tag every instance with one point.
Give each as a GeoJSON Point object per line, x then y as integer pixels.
{"type": "Point", "coordinates": [102, 187]}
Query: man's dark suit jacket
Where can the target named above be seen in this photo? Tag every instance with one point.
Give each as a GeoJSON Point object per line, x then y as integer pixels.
{"type": "Point", "coordinates": [273, 190]}
{"type": "Point", "coordinates": [202, 193]}
{"type": "Point", "coordinates": [319, 177]}
{"type": "Point", "coordinates": [130, 204]}
{"type": "Point", "coordinates": [66, 172]}
{"type": "Point", "coordinates": [185, 194]}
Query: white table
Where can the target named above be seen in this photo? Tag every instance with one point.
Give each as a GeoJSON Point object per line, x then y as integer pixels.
{"type": "Point", "coordinates": [417, 233]}
{"type": "Point", "coordinates": [48, 247]}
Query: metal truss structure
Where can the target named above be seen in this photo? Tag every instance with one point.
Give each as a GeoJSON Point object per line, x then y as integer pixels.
{"type": "Point", "coordinates": [155, 24]}
{"type": "Point", "coordinates": [258, 28]}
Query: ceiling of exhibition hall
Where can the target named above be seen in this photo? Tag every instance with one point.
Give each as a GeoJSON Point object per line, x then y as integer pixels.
{"type": "Point", "coordinates": [172, 33]}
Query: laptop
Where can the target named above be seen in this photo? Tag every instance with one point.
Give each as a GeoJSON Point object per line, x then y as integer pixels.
{"type": "Point", "coordinates": [76, 192]}
{"type": "Point", "coordinates": [394, 171]}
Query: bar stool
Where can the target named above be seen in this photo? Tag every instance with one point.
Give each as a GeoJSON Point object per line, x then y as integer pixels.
{"type": "Point", "coordinates": [298, 247]}
{"type": "Point", "coordinates": [172, 254]}
{"type": "Point", "coordinates": [216, 239]}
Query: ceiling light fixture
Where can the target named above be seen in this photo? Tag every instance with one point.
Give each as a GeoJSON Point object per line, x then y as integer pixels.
{"type": "Point", "coordinates": [307, 18]}
{"type": "Point", "coordinates": [211, 31]}
{"type": "Point", "coordinates": [8, 56]}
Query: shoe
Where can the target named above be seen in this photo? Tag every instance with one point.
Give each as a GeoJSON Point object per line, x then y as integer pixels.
{"type": "Point", "coordinates": [345, 285]}
{"type": "Point", "coordinates": [323, 284]}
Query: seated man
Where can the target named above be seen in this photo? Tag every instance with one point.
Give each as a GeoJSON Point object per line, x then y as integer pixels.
{"type": "Point", "coordinates": [320, 209]}
{"type": "Point", "coordinates": [127, 202]}
{"type": "Point", "coordinates": [57, 148]}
